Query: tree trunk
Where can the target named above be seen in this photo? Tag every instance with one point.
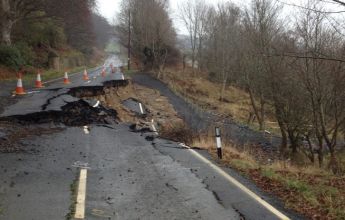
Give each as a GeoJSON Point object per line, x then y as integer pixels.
{"type": "Point", "coordinates": [223, 90]}
{"type": "Point", "coordinates": [284, 143]}
{"type": "Point", "coordinates": [320, 150]}
{"type": "Point", "coordinates": [262, 113]}
{"type": "Point", "coordinates": [320, 156]}
{"type": "Point", "coordinates": [6, 22]}
{"type": "Point", "coordinates": [259, 113]}
{"type": "Point", "coordinates": [333, 163]}
{"type": "Point", "coordinates": [311, 150]}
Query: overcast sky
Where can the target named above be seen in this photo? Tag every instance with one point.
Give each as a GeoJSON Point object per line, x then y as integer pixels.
{"type": "Point", "coordinates": [109, 8]}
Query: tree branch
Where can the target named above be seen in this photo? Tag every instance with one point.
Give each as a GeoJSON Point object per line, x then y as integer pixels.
{"type": "Point", "coordinates": [304, 57]}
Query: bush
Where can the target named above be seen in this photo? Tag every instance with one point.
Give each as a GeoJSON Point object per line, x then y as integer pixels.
{"type": "Point", "coordinates": [179, 132]}
{"type": "Point", "coordinates": [10, 56]}
{"type": "Point", "coordinates": [26, 52]}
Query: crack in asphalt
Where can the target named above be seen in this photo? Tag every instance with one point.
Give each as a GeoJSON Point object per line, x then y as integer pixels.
{"type": "Point", "coordinates": [193, 171]}
{"type": "Point", "coordinates": [45, 106]}
{"type": "Point", "coordinates": [72, 110]}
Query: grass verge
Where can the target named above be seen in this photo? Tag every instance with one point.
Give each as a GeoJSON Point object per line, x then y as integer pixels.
{"type": "Point", "coordinates": [315, 193]}
{"type": "Point", "coordinates": [308, 190]}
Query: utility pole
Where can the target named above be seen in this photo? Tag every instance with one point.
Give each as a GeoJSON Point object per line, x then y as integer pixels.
{"type": "Point", "coordinates": [129, 39]}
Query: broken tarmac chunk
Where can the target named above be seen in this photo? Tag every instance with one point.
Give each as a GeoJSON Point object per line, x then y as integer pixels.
{"type": "Point", "coordinates": [65, 105]}
{"type": "Point", "coordinates": [135, 106]}
{"type": "Point", "coordinates": [143, 128]}
{"type": "Point", "coordinates": [77, 113]}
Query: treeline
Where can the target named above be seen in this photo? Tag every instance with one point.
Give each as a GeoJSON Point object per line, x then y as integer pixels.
{"type": "Point", "coordinates": [33, 30]}
{"type": "Point", "coordinates": [296, 69]}
{"type": "Point", "coordinates": [153, 38]}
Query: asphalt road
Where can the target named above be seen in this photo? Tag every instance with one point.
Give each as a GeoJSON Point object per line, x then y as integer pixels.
{"type": "Point", "coordinates": [128, 177]}
{"type": "Point", "coordinates": [200, 120]}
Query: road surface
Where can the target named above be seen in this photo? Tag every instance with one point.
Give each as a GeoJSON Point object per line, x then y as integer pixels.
{"type": "Point", "coordinates": [127, 175]}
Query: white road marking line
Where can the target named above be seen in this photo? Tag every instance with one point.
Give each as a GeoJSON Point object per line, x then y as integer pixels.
{"type": "Point", "coordinates": [141, 108]}
{"type": "Point", "coordinates": [238, 184]}
{"type": "Point", "coordinates": [80, 206]}
{"type": "Point", "coordinates": [86, 130]}
{"type": "Point", "coordinates": [32, 92]}
{"type": "Point", "coordinates": [154, 127]}
{"type": "Point", "coordinates": [81, 165]}
{"type": "Point", "coordinates": [97, 104]}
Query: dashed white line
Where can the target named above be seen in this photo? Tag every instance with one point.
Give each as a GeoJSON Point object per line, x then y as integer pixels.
{"type": "Point", "coordinates": [86, 130]}
{"type": "Point", "coordinates": [97, 104]}
{"type": "Point", "coordinates": [80, 206]}
{"type": "Point", "coordinates": [154, 127]}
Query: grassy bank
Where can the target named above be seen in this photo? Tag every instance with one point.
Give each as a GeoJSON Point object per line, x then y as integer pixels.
{"type": "Point", "coordinates": [200, 90]}
{"type": "Point", "coordinates": [309, 190]}
{"type": "Point", "coordinates": [315, 193]}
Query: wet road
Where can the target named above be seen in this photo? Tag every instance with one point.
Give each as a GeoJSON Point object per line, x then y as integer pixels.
{"type": "Point", "coordinates": [128, 177]}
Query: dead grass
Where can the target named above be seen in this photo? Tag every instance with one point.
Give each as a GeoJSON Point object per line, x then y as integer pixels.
{"type": "Point", "coordinates": [315, 193]}
{"type": "Point", "coordinates": [206, 94]}
{"type": "Point", "coordinates": [179, 132]}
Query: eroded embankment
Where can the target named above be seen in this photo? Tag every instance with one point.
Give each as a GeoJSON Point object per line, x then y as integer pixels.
{"type": "Point", "coordinates": [116, 101]}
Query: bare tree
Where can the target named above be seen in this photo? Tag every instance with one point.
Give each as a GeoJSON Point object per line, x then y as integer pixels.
{"type": "Point", "coordinates": [12, 11]}
{"type": "Point", "coordinates": [261, 27]}
{"type": "Point", "coordinates": [153, 35]}
{"type": "Point", "coordinates": [323, 79]}
{"type": "Point", "coordinates": [192, 13]}
{"type": "Point", "coordinates": [339, 2]}
{"type": "Point", "coordinates": [223, 37]}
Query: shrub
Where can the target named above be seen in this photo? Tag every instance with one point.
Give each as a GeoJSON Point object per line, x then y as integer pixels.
{"type": "Point", "coordinates": [10, 56]}
{"type": "Point", "coordinates": [26, 52]}
{"type": "Point", "coordinates": [179, 132]}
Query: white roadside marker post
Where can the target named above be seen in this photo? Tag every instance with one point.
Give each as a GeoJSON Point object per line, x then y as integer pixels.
{"type": "Point", "coordinates": [219, 143]}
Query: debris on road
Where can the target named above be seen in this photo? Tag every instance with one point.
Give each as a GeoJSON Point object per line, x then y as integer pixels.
{"type": "Point", "coordinates": [116, 101]}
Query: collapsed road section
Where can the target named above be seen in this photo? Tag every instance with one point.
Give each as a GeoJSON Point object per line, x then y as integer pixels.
{"type": "Point", "coordinates": [103, 100]}
{"type": "Point", "coordinates": [65, 105]}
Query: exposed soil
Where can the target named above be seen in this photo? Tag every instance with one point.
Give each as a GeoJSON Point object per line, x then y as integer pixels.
{"type": "Point", "coordinates": [80, 111]}
{"type": "Point", "coordinates": [157, 107]}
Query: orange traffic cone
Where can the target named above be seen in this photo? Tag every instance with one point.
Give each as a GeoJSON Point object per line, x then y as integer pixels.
{"type": "Point", "coordinates": [19, 88]}
{"type": "Point", "coordinates": [65, 79]}
{"type": "Point", "coordinates": [103, 72]}
{"type": "Point", "coordinates": [85, 75]}
{"type": "Point", "coordinates": [38, 83]}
